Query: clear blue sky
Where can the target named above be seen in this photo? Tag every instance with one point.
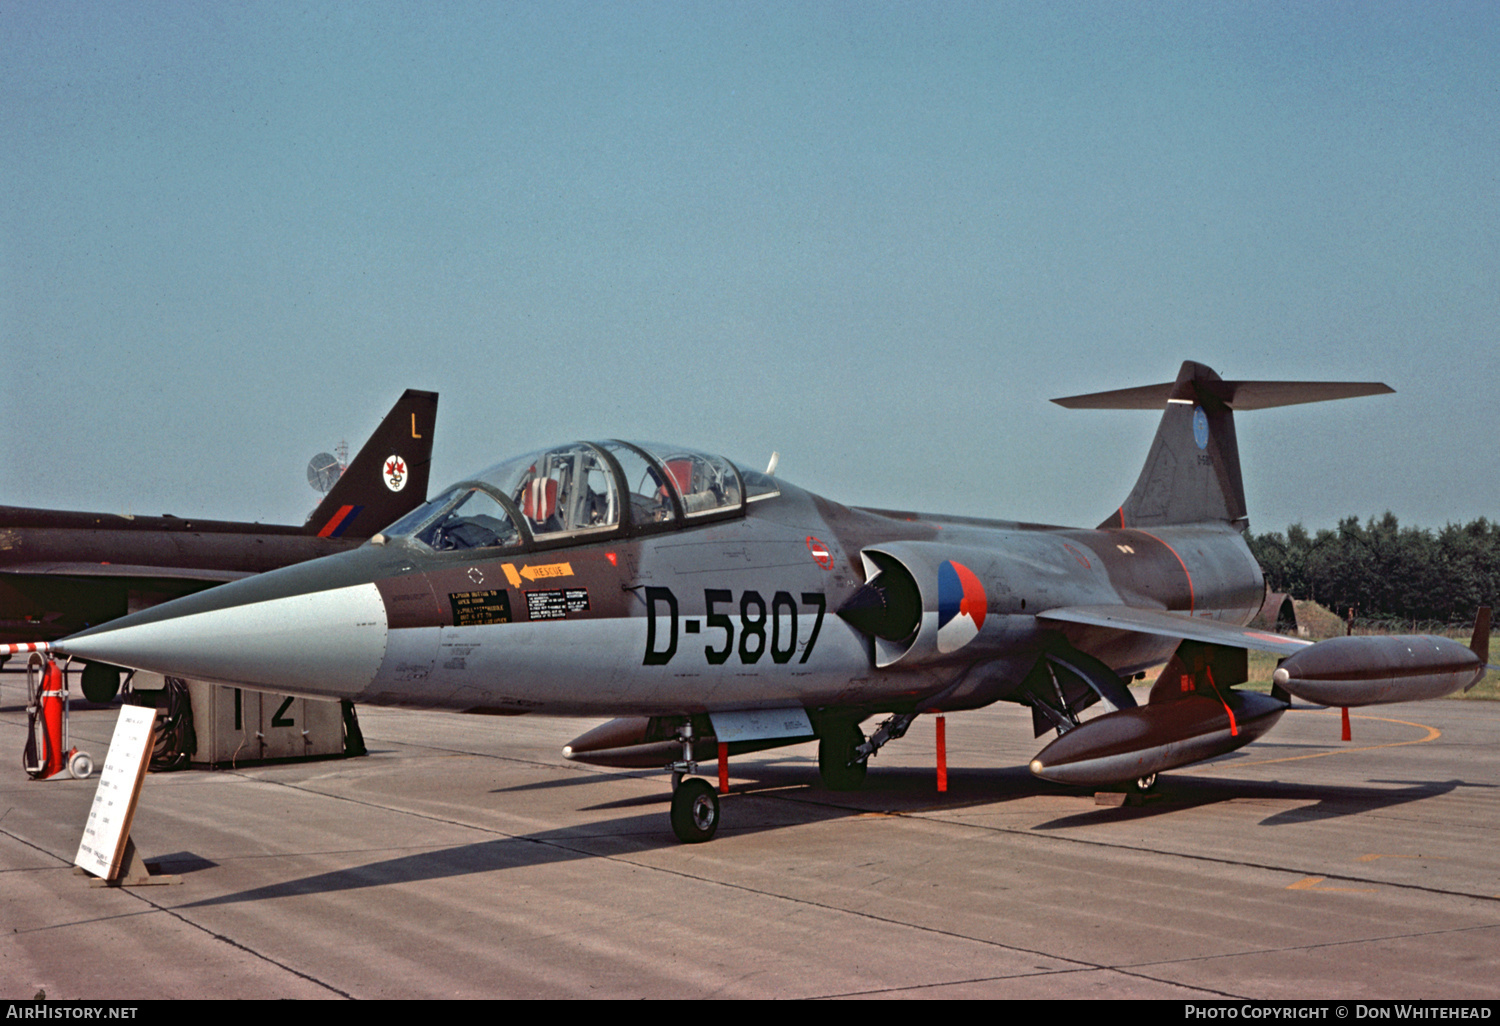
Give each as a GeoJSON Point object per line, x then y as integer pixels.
{"type": "Point", "coordinates": [875, 237]}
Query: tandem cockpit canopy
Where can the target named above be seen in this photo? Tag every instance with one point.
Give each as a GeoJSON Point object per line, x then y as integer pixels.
{"type": "Point", "coordinates": [573, 492]}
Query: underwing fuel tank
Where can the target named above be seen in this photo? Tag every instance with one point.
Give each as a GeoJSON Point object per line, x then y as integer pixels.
{"type": "Point", "coordinates": [1370, 670]}
{"type": "Point", "coordinates": [651, 742]}
{"type": "Point", "coordinates": [1134, 743]}
{"type": "Point", "coordinates": [631, 742]}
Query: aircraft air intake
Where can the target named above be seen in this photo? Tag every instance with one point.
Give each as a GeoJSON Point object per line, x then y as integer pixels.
{"type": "Point", "coordinates": [889, 605]}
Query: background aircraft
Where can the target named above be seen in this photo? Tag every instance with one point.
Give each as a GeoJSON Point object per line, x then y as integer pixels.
{"type": "Point", "coordinates": [718, 610]}
{"type": "Point", "coordinates": [63, 571]}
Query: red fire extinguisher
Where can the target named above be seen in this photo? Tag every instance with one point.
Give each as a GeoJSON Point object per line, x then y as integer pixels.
{"type": "Point", "coordinates": [48, 753]}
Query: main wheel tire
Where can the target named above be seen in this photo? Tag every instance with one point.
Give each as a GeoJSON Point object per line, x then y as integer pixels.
{"type": "Point", "coordinates": [101, 682]}
{"type": "Point", "coordinates": [836, 763]}
{"type": "Point", "coordinates": [695, 811]}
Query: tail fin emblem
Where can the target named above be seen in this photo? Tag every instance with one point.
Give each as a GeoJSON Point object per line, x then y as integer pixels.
{"type": "Point", "coordinates": [395, 473]}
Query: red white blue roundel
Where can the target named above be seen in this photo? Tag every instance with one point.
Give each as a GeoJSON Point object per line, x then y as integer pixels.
{"type": "Point", "coordinates": [961, 606]}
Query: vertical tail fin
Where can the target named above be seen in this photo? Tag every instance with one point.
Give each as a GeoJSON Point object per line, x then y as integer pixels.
{"type": "Point", "coordinates": [1192, 474]}
{"type": "Point", "coordinates": [387, 477]}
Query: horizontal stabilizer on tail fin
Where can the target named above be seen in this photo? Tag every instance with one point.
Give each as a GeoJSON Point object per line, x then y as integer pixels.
{"type": "Point", "coordinates": [387, 478]}
{"type": "Point", "coordinates": [1192, 474]}
{"type": "Point", "coordinates": [1237, 395]}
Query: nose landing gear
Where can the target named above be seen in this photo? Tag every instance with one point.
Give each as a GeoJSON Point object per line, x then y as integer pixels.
{"type": "Point", "coordinates": [695, 806]}
{"type": "Point", "coordinates": [695, 811]}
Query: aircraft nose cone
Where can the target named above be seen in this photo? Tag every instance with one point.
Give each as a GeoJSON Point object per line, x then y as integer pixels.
{"type": "Point", "coordinates": [322, 643]}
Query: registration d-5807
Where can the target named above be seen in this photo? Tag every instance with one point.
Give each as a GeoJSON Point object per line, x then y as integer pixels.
{"type": "Point", "coordinates": [760, 628]}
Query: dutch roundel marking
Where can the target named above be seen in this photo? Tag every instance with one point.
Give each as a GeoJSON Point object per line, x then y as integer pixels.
{"type": "Point", "coordinates": [961, 606]}
{"type": "Point", "coordinates": [1200, 427]}
{"type": "Point", "coordinates": [820, 553]}
{"type": "Point", "coordinates": [394, 473]}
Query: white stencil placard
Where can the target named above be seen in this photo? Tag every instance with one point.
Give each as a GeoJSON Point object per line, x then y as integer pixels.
{"type": "Point", "coordinates": [108, 826]}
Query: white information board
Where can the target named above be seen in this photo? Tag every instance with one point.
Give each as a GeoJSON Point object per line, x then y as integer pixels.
{"type": "Point", "coordinates": [108, 826]}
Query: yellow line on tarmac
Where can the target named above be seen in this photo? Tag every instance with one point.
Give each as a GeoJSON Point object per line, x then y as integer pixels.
{"type": "Point", "coordinates": [1310, 883]}
{"type": "Point", "coordinates": [1432, 735]}
{"type": "Point", "coordinates": [1373, 858]}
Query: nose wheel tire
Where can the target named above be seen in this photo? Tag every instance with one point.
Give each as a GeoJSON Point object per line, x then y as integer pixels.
{"type": "Point", "coordinates": [695, 811]}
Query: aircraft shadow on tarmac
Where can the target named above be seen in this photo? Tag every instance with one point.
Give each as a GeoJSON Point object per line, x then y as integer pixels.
{"type": "Point", "coordinates": [1331, 801]}
{"type": "Point", "coordinates": [896, 790]}
{"type": "Point", "coordinates": [628, 835]}
{"type": "Point", "coordinates": [788, 793]}
{"type": "Point", "coordinates": [461, 860]}
{"type": "Point", "coordinates": [779, 794]}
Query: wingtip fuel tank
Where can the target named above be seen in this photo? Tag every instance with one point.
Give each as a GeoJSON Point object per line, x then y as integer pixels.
{"type": "Point", "coordinates": [1372, 670]}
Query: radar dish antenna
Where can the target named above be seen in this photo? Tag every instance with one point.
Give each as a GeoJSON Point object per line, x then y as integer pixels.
{"type": "Point", "coordinates": [323, 470]}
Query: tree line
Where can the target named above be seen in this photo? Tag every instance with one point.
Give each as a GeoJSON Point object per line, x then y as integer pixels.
{"type": "Point", "coordinates": [1384, 571]}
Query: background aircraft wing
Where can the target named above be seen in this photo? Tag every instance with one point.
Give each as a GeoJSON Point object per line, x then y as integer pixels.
{"type": "Point", "coordinates": [56, 568]}
{"type": "Point", "coordinates": [1176, 625]}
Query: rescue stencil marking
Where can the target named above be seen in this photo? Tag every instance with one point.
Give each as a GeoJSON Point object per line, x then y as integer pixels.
{"type": "Point", "coordinates": [535, 573]}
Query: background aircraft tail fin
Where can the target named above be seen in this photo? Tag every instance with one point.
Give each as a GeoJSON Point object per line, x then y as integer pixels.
{"type": "Point", "coordinates": [387, 477]}
{"type": "Point", "coordinates": [1192, 474]}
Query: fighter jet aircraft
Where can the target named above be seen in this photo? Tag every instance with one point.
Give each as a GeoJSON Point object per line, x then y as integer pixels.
{"type": "Point", "coordinates": [718, 610]}
{"type": "Point", "coordinates": [62, 571]}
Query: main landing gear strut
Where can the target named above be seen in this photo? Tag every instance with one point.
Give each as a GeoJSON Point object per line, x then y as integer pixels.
{"type": "Point", "coordinates": [844, 753]}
